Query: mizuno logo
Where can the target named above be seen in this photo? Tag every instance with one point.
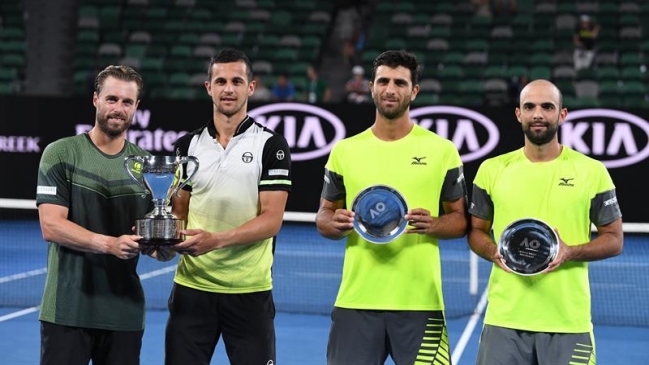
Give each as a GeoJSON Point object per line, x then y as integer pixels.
{"type": "Point", "coordinates": [418, 161]}
{"type": "Point", "coordinates": [565, 181]}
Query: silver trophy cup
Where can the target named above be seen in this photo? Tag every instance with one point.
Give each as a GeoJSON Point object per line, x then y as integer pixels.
{"type": "Point", "coordinates": [159, 227]}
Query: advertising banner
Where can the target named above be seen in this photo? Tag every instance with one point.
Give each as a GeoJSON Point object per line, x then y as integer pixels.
{"type": "Point", "coordinates": [620, 139]}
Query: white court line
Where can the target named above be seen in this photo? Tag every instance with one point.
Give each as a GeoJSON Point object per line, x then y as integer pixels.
{"type": "Point", "coordinates": [13, 315]}
{"type": "Point", "coordinates": [158, 272]}
{"type": "Point", "coordinates": [23, 312]}
{"type": "Point", "coordinates": [22, 275]}
{"type": "Point", "coordinates": [468, 330]}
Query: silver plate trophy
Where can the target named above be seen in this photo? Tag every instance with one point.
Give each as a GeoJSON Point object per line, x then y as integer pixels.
{"type": "Point", "coordinates": [528, 246]}
{"type": "Point", "coordinates": [159, 227]}
{"type": "Point", "coordinates": [380, 211]}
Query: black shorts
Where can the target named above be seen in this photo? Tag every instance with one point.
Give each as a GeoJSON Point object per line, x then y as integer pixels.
{"type": "Point", "coordinates": [77, 346]}
{"type": "Point", "coordinates": [368, 336]}
{"type": "Point", "coordinates": [506, 346]}
{"type": "Point", "coordinates": [197, 319]}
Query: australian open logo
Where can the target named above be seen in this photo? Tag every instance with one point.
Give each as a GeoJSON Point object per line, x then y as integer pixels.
{"type": "Point", "coordinates": [246, 157]}
{"type": "Point", "coordinates": [137, 168]}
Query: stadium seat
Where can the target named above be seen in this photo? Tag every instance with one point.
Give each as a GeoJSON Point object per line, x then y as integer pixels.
{"type": "Point", "coordinates": [450, 72]}
{"type": "Point", "coordinates": [495, 72]}
{"type": "Point", "coordinates": [516, 71]}
{"type": "Point", "coordinates": [586, 89]}
{"type": "Point", "coordinates": [633, 89]}
{"type": "Point", "coordinates": [564, 72]}
{"type": "Point", "coordinates": [630, 73]}
{"type": "Point", "coordinates": [453, 58]}
{"type": "Point", "coordinates": [430, 86]}
{"type": "Point", "coordinates": [586, 102]}
{"type": "Point", "coordinates": [586, 74]}
{"type": "Point", "coordinates": [631, 59]}
{"type": "Point", "coordinates": [606, 73]}
{"type": "Point", "coordinates": [540, 72]}
{"type": "Point", "coordinates": [424, 98]}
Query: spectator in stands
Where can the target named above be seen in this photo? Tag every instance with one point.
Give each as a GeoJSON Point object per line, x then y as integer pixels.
{"type": "Point", "coordinates": [93, 304]}
{"type": "Point", "coordinates": [584, 40]}
{"type": "Point", "coordinates": [504, 7]}
{"type": "Point", "coordinates": [544, 318]}
{"type": "Point", "coordinates": [481, 8]}
{"type": "Point", "coordinates": [348, 25]}
{"type": "Point", "coordinates": [283, 89]}
{"type": "Point", "coordinates": [516, 85]}
{"type": "Point", "coordinates": [390, 296]}
{"type": "Point", "coordinates": [262, 93]}
{"type": "Point", "coordinates": [358, 88]}
{"type": "Point", "coordinates": [317, 89]}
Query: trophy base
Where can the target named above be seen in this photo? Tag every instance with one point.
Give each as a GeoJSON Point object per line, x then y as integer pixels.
{"type": "Point", "coordinates": [159, 241]}
{"type": "Point", "coordinates": [159, 231]}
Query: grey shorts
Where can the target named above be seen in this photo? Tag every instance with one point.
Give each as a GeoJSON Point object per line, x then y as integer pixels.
{"type": "Point", "coordinates": [505, 346]}
{"type": "Point", "coordinates": [368, 336]}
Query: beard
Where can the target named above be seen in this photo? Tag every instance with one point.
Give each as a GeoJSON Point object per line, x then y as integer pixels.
{"type": "Point", "coordinates": [394, 113]}
{"type": "Point", "coordinates": [114, 130]}
{"type": "Point", "coordinates": [541, 138]}
{"type": "Point", "coordinates": [228, 111]}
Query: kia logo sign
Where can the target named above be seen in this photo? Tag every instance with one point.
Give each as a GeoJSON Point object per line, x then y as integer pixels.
{"type": "Point", "coordinates": [474, 135]}
{"type": "Point", "coordinates": [310, 131]}
{"type": "Point", "coordinates": [614, 137]}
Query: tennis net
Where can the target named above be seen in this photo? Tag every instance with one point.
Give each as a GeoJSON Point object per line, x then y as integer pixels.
{"type": "Point", "coordinates": [307, 272]}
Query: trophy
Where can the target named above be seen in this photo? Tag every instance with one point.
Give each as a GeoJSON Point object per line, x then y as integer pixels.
{"type": "Point", "coordinates": [379, 214]}
{"type": "Point", "coordinates": [528, 246]}
{"type": "Point", "coordinates": [160, 227]}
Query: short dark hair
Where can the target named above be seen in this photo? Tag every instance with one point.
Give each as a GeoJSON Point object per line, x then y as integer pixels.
{"type": "Point", "coordinates": [120, 72]}
{"type": "Point", "coordinates": [228, 55]}
{"type": "Point", "coordinates": [396, 58]}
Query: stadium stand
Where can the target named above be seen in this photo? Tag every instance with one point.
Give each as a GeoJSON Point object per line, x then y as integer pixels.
{"type": "Point", "coordinates": [462, 51]}
{"type": "Point", "coordinates": [12, 48]}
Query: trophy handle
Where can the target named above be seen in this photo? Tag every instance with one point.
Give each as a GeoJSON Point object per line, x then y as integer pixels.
{"type": "Point", "coordinates": [139, 159]}
{"type": "Point", "coordinates": [183, 160]}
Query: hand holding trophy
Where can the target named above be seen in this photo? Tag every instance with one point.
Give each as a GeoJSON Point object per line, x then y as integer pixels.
{"type": "Point", "coordinates": [159, 227]}
{"type": "Point", "coordinates": [528, 246]}
{"type": "Point", "coordinates": [379, 214]}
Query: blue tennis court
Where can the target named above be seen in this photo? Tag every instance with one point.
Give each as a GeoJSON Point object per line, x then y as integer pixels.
{"type": "Point", "coordinates": [306, 276]}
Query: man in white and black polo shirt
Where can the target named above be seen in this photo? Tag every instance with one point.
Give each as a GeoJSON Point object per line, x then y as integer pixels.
{"type": "Point", "coordinates": [234, 207]}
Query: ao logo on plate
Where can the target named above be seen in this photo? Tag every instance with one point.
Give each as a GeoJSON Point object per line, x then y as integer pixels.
{"type": "Point", "coordinates": [614, 137]}
{"type": "Point", "coordinates": [474, 134]}
{"type": "Point", "coordinates": [310, 131]}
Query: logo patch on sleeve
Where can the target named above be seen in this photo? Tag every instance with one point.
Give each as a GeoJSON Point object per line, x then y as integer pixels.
{"type": "Point", "coordinates": [278, 172]}
{"type": "Point", "coordinates": [46, 190]}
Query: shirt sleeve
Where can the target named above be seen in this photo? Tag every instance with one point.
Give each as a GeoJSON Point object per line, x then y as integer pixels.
{"type": "Point", "coordinates": [604, 207]}
{"type": "Point", "coordinates": [52, 185]}
{"type": "Point", "coordinates": [481, 204]}
{"type": "Point", "coordinates": [276, 165]}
